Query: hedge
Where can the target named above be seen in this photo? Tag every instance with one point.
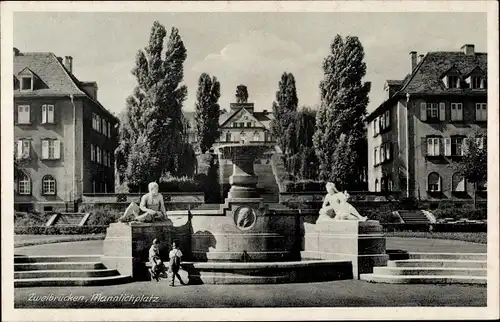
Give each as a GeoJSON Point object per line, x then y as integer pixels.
{"type": "Point", "coordinates": [59, 230]}
{"type": "Point", "coordinates": [437, 227]}
{"type": "Point", "coordinates": [32, 218]}
{"type": "Point", "coordinates": [303, 185]}
{"type": "Point", "coordinates": [183, 184]}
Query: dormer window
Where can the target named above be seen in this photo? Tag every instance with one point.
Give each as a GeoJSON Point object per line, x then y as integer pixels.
{"type": "Point", "coordinates": [477, 82]}
{"type": "Point", "coordinates": [27, 83]}
{"type": "Point", "coordinates": [453, 81]}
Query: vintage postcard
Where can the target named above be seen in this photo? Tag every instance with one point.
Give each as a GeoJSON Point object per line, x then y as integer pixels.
{"type": "Point", "coordinates": [245, 160]}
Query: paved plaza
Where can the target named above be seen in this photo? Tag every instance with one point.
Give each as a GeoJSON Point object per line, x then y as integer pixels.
{"type": "Point", "coordinates": [344, 293]}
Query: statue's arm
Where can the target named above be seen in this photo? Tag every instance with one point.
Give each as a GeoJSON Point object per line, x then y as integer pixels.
{"type": "Point", "coordinates": [325, 202]}
{"type": "Point", "coordinates": [143, 205]}
{"type": "Point", "coordinates": [162, 206]}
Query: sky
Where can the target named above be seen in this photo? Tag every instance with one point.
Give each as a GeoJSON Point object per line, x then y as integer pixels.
{"type": "Point", "coordinates": [244, 48]}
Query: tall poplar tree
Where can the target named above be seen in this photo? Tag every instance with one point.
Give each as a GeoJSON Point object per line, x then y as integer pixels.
{"type": "Point", "coordinates": [284, 110]}
{"type": "Point", "coordinates": [340, 137]}
{"type": "Point", "coordinates": [207, 111]}
{"type": "Point", "coordinates": [151, 131]}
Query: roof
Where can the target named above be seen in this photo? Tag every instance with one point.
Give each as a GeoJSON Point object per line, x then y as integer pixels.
{"type": "Point", "coordinates": [426, 78]}
{"type": "Point", "coordinates": [263, 117]}
{"type": "Point", "coordinates": [392, 82]}
{"type": "Point", "coordinates": [56, 79]}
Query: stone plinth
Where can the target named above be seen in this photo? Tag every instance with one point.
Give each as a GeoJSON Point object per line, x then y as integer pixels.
{"type": "Point", "coordinates": [361, 242]}
{"type": "Point", "coordinates": [244, 228]}
{"type": "Point", "coordinates": [126, 246]}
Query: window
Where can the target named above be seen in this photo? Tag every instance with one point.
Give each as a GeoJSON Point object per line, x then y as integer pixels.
{"type": "Point", "coordinates": [480, 142]}
{"type": "Point", "coordinates": [92, 152]}
{"type": "Point", "coordinates": [477, 82]}
{"type": "Point", "coordinates": [256, 136]}
{"type": "Point", "coordinates": [104, 126]}
{"type": "Point", "coordinates": [47, 114]}
{"type": "Point", "coordinates": [375, 128]}
{"type": "Point", "coordinates": [48, 185]}
{"type": "Point", "coordinates": [98, 154]}
{"type": "Point", "coordinates": [458, 183]}
{"type": "Point", "coordinates": [50, 149]}
{"type": "Point", "coordinates": [26, 83]}
{"type": "Point", "coordinates": [23, 149]}
{"type": "Point", "coordinates": [375, 156]}
{"type": "Point", "coordinates": [108, 131]}
{"type": "Point", "coordinates": [382, 154]}
{"type": "Point", "coordinates": [390, 185]}
{"type": "Point", "coordinates": [387, 119]}
{"type": "Point", "coordinates": [387, 151]}
{"type": "Point", "coordinates": [242, 124]}
{"type": "Point", "coordinates": [228, 137]}
{"type": "Point", "coordinates": [481, 112]}
{"type": "Point", "coordinates": [432, 111]}
{"type": "Point", "coordinates": [453, 82]}
{"type": "Point", "coordinates": [457, 146]}
{"type": "Point", "coordinates": [433, 146]}
{"type": "Point", "coordinates": [243, 137]}
{"type": "Point", "coordinates": [457, 113]}
{"type": "Point", "coordinates": [23, 114]}
{"type": "Point", "coordinates": [105, 157]}
{"type": "Point", "coordinates": [235, 124]}
{"type": "Point", "coordinates": [23, 184]}
{"type": "Point", "coordinates": [377, 186]}
{"type": "Point", "coordinates": [433, 182]}
{"type": "Point", "coordinates": [249, 124]}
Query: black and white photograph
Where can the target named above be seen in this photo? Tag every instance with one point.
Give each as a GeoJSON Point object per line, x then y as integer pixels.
{"type": "Point", "coordinates": [325, 157]}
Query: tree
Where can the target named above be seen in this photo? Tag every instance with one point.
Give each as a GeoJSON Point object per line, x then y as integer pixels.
{"type": "Point", "coordinates": [207, 111]}
{"type": "Point", "coordinates": [153, 117]}
{"type": "Point", "coordinates": [344, 98]}
{"type": "Point", "coordinates": [241, 94]}
{"type": "Point", "coordinates": [474, 163]}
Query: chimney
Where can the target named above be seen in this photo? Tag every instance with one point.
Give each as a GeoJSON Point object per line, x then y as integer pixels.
{"type": "Point", "coordinates": [413, 60]}
{"type": "Point", "coordinates": [468, 49]}
{"type": "Point", "coordinates": [420, 57]}
{"type": "Point", "coordinates": [16, 52]}
{"type": "Point", "coordinates": [91, 89]}
{"type": "Point", "coordinates": [265, 112]}
{"type": "Point", "coordinates": [68, 63]}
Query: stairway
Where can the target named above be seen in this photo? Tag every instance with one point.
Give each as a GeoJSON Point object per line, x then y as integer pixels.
{"type": "Point", "coordinates": [66, 270]}
{"type": "Point", "coordinates": [413, 217]}
{"type": "Point", "coordinates": [432, 268]}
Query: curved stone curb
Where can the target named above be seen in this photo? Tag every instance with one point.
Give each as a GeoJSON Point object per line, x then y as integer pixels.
{"type": "Point", "coordinates": [66, 239]}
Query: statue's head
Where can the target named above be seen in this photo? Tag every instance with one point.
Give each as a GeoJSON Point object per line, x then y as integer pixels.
{"type": "Point", "coordinates": [241, 94]}
{"type": "Point", "coordinates": [153, 188]}
{"type": "Point", "coordinates": [330, 187]}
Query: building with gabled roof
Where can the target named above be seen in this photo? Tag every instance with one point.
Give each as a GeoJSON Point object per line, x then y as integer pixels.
{"type": "Point", "coordinates": [64, 138]}
{"type": "Point", "coordinates": [241, 123]}
{"type": "Point", "coordinates": [421, 127]}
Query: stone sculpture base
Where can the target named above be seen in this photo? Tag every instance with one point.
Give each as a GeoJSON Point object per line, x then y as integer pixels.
{"type": "Point", "coordinates": [126, 246]}
{"type": "Point", "coordinates": [363, 243]}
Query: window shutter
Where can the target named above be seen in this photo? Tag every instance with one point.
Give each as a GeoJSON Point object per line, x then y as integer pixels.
{"type": "Point", "coordinates": [478, 111]}
{"type": "Point", "coordinates": [45, 149]}
{"type": "Point", "coordinates": [19, 149]}
{"type": "Point", "coordinates": [57, 149]}
{"type": "Point", "coordinates": [44, 113]}
{"type": "Point", "coordinates": [442, 111]}
{"type": "Point", "coordinates": [51, 111]}
{"type": "Point", "coordinates": [424, 144]}
{"type": "Point", "coordinates": [447, 147]}
{"type": "Point", "coordinates": [460, 112]}
{"type": "Point", "coordinates": [465, 146]}
{"type": "Point", "coordinates": [423, 111]}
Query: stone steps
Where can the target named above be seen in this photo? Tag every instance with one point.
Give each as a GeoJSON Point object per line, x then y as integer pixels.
{"type": "Point", "coordinates": [434, 271]}
{"type": "Point", "coordinates": [72, 281]}
{"type": "Point", "coordinates": [105, 272]}
{"type": "Point", "coordinates": [433, 268]}
{"type": "Point", "coordinates": [56, 258]}
{"type": "Point", "coordinates": [423, 279]}
{"type": "Point", "coordinates": [437, 263]}
{"type": "Point", "coordinates": [64, 270]}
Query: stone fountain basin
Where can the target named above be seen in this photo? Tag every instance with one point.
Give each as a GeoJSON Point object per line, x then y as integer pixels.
{"type": "Point", "coordinates": [267, 272]}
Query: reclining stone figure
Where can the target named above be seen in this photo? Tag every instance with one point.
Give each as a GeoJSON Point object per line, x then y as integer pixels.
{"type": "Point", "coordinates": [152, 207]}
{"type": "Point", "coordinates": [336, 207]}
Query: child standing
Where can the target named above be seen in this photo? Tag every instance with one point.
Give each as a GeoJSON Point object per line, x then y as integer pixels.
{"type": "Point", "coordinates": [175, 256]}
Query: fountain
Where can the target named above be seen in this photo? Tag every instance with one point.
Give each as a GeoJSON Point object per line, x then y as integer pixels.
{"type": "Point", "coordinates": [244, 241]}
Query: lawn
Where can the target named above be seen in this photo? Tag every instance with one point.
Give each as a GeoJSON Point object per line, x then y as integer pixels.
{"type": "Point", "coordinates": [480, 238]}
